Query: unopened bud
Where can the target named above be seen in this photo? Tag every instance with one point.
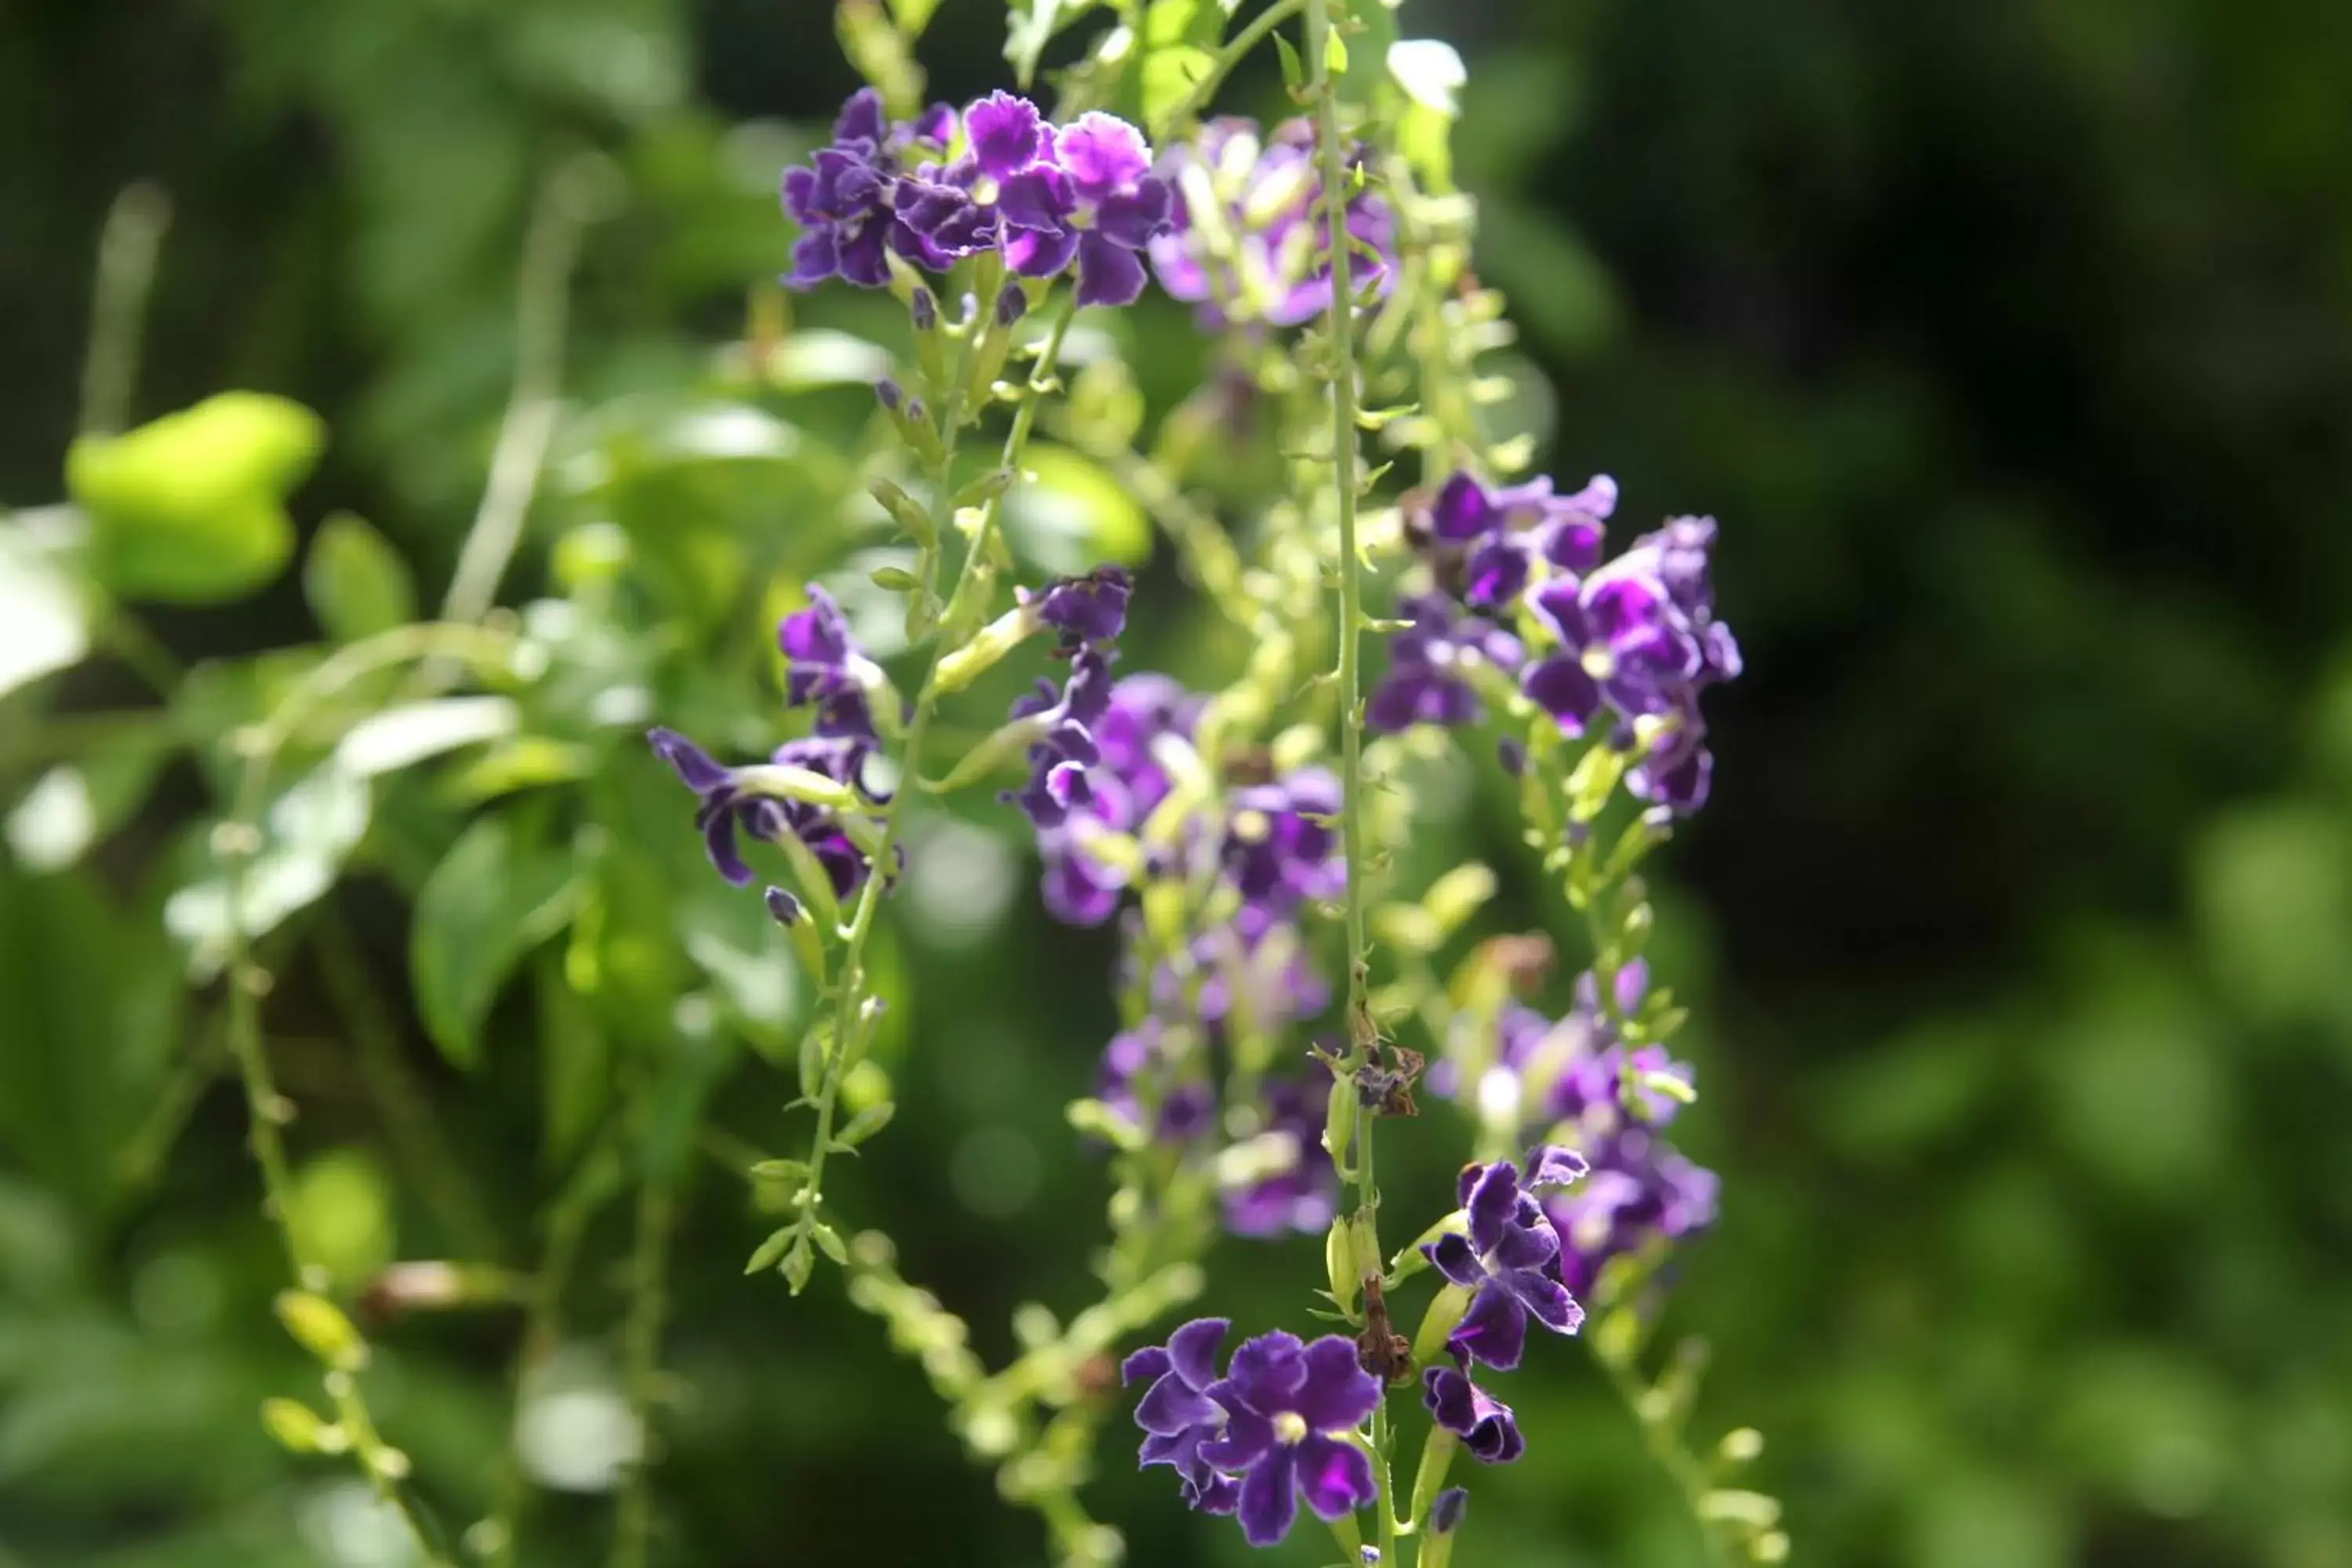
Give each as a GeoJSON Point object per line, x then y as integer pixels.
{"type": "Point", "coordinates": [926, 310]}
{"type": "Point", "coordinates": [1011, 304]}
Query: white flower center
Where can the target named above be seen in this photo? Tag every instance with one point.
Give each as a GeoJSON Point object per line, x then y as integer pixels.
{"type": "Point", "coordinates": [1289, 1426]}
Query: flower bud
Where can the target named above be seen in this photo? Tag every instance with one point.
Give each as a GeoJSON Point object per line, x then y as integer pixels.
{"type": "Point", "coordinates": [1011, 304]}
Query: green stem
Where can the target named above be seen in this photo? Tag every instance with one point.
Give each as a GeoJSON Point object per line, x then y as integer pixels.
{"type": "Point", "coordinates": [127, 249]}
{"type": "Point", "coordinates": [1362, 1034]}
{"type": "Point", "coordinates": [1237, 46]}
{"type": "Point", "coordinates": [566, 204]}
{"type": "Point", "coordinates": [1689, 1475]}
{"type": "Point", "coordinates": [543, 1334]}
{"type": "Point", "coordinates": [847, 1024]}
{"type": "Point", "coordinates": [657, 1212]}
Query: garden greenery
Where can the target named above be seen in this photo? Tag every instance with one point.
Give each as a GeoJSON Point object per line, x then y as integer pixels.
{"type": "Point", "coordinates": [1288, 995]}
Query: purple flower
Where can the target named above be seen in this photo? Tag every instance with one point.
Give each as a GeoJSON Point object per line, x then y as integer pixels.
{"type": "Point", "coordinates": [1483, 1422]}
{"type": "Point", "coordinates": [1282, 843]}
{"type": "Point", "coordinates": [725, 803]}
{"type": "Point", "coordinates": [854, 199]}
{"type": "Point", "coordinates": [1640, 1191]}
{"type": "Point", "coordinates": [1059, 760]}
{"type": "Point", "coordinates": [822, 665]}
{"type": "Point", "coordinates": [1300, 1192]}
{"type": "Point", "coordinates": [1178, 1416]}
{"type": "Point", "coordinates": [1290, 1411]}
{"type": "Point", "coordinates": [1638, 637]}
{"type": "Point", "coordinates": [1088, 609]}
{"type": "Point", "coordinates": [1510, 1262]}
{"type": "Point", "coordinates": [1094, 198]}
{"type": "Point", "coordinates": [1248, 244]}
{"type": "Point", "coordinates": [1424, 684]}
{"type": "Point", "coordinates": [1121, 788]}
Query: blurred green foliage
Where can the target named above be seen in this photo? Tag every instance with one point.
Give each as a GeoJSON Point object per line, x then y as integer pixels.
{"type": "Point", "coordinates": [2013, 342]}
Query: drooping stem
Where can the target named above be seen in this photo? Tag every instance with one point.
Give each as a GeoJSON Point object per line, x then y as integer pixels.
{"type": "Point", "coordinates": [1339, 329]}
{"type": "Point", "coordinates": [566, 204]}
{"type": "Point", "coordinates": [850, 1024]}
{"type": "Point", "coordinates": [127, 248]}
{"type": "Point", "coordinates": [642, 1365]}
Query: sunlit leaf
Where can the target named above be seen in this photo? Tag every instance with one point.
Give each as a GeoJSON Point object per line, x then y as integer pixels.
{"type": "Point", "coordinates": [45, 620]}
{"type": "Point", "coordinates": [306, 835]}
{"type": "Point", "coordinates": [401, 737]}
{"type": "Point", "coordinates": [193, 506]}
{"type": "Point", "coordinates": [1074, 516]}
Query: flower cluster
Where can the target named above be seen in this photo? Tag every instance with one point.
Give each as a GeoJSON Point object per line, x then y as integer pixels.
{"type": "Point", "coordinates": [1507, 1256]}
{"type": "Point", "coordinates": [1248, 242]}
{"type": "Point", "coordinates": [995, 178]}
{"type": "Point", "coordinates": [827, 672]}
{"type": "Point", "coordinates": [1611, 1101]}
{"type": "Point", "coordinates": [1280, 1425]}
{"type": "Point", "coordinates": [1628, 643]}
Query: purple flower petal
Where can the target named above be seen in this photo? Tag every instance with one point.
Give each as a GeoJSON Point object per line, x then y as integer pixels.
{"type": "Point", "coordinates": [1335, 1477]}
{"type": "Point", "coordinates": [1247, 1434]}
{"type": "Point", "coordinates": [1192, 1350]}
{"type": "Point", "coordinates": [1040, 254]}
{"type": "Point", "coordinates": [1454, 1260]}
{"type": "Point", "coordinates": [1036, 199]}
{"type": "Point", "coordinates": [1108, 273]}
{"type": "Point", "coordinates": [1268, 1371]}
{"type": "Point", "coordinates": [1006, 134]}
{"type": "Point", "coordinates": [1494, 1332]}
{"type": "Point", "coordinates": [1169, 1407]}
{"type": "Point", "coordinates": [1561, 688]}
{"type": "Point", "coordinates": [689, 762]}
{"type": "Point", "coordinates": [1550, 1165]}
{"type": "Point", "coordinates": [1546, 1299]}
{"type": "Point", "coordinates": [1462, 511]}
{"type": "Point", "coordinates": [1102, 153]}
{"type": "Point", "coordinates": [1493, 1204]}
{"type": "Point", "coordinates": [1149, 1364]}
{"type": "Point", "coordinates": [1134, 218]}
{"type": "Point", "coordinates": [1269, 1500]}
{"type": "Point", "coordinates": [1339, 1393]}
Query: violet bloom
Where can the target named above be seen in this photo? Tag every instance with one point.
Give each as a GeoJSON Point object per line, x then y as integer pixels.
{"type": "Point", "coordinates": [1122, 788]}
{"type": "Point", "coordinates": [1498, 535]}
{"type": "Point", "coordinates": [1088, 609]}
{"type": "Point", "coordinates": [1424, 684]}
{"type": "Point", "coordinates": [1484, 1423]}
{"type": "Point", "coordinates": [855, 199]}
{"type": "Point", "coordinates": [1248, 242]}
{"type": "Point", "coordinates": [1282, 843]}
{"type": "Point", "coordinates": [1178, 1416]}
{"type": "Point", "coordinates": [1509, 1261]}
{"type": "Point", "coordinates": [1060, 757]}
{"type": "Point", "coordinates": [825, 666]}
{"type": "Point", "coordinates": [1291, 1410]}
{"type": "Point", "coordinates": [1640, 1191]}
{"type": "Point", "coordinates": [1300, 1192]}
{"type": "Point", "coordinates": [1639, 636]}
{"type": "Point", "coordinates": [1094, 197]}
{"type": "Point", "coordinates": [725, 803]}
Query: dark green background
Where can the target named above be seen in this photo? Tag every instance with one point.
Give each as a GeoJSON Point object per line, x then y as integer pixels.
{"type": "Point", "coordinates": [2009, 340]}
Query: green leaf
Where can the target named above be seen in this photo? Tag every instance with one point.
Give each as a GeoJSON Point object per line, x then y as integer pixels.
{"type": "Point", "coordinates": [865, 1125]}
{"type": "Point", "coordinates": [396, 737]}
{"type": "Point", "coordinates": [1072, 516]}
{"type": "Point", "coordinates": [771, 1252]}
{"type": "Point", "coordinates": [92, 1007]}
{"type": "Point", "coordinates": [356, 582]}
{"type": "Point", "coordinates": [1293, 73]}
{"type": "Point", "coordinates": [47, 621]}
{"type": "Point", "coordinates": [1170, 73]}
{"type": "Point", "coordinates": [828, 1241]}
{"type": "Point", "coordinates": [575, 1062]}
{"type": "Point", "coordinates": [489, 901]}
{"type": "Point", "coordinates": [306, 835]}
{"type": "Point", "coordinates": [191, 508]}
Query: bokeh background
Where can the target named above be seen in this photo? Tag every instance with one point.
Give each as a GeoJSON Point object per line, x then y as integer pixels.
{"type": "Point", "coordinates": [2013, 342]}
